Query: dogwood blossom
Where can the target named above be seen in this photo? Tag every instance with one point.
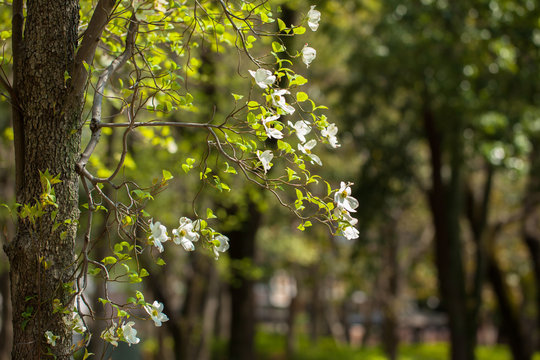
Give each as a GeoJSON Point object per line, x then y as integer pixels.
{"type": "Point", "coordinates": [51, 338]}
{"type": "Point", "coordinates": [344, 200]}
{"type": "Point", "coordinates": [278, 100]}
{"type": "Point", "coordinates": [271, 132]}
{"type": "Point", "coordinates": [184, 234]}
{"type": "Point", "coordinates": [265, 157]}
{"type": "Point", "coordinates": [301, 128]}
{"type": "Point", "coordinates": [350, 232]}
{"type": "Point", "coordinates": [129, 333]}
{"type": "Point", "coordinates": [330, 133]}
{"type": "Point", "coordinates": [263, 77]}
{"type": "Point", "coordinates": [74, 322]}
{"type": "Point", "coordinates": [344, 216]}
{"type": "Point", "coordinates": [159, 234]}
{"type": "Point", "coordinates": [308, 54]}
{"type": "Point", "coordinates": [306, 149]}
{"type": "Point", "coordinates": [161, 5]}
{"type": "Point", "coordinates": [223, 245]}
{"type": "Point", "coordinates": [156, 312]}
{"type": "Point", "coordinates": [314, 16]}
{"type": "Point", "coordinates": [109, 335]}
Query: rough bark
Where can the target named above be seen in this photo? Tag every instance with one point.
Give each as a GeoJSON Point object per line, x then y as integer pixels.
{"type": "Point", "coordinates": [46, 121]}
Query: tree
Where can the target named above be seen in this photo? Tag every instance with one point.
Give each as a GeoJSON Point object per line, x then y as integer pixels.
{"type": "Point", "coordinates": [71, 57]}
{"type": "Point", "coordinates": [449, 74]}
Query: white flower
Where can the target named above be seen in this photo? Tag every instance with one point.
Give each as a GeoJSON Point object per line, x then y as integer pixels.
{"type": "Point", "coordinates": [330, 134]}
{"type": "Point", "coordinates": [75, 322]}
{"type": "Point", "coordinates": [302, 128]}
{"type": "Point", "coordinates": [343, 215]}
{"type": "Point", "coordinates": [350, 232]}
{"type": "Point", "coordinates": [263, 77]}
{"type": "Point", "coordinates": [109, 335]}
{"type": "Point", "coordinates": [279, 101]}
{"type": "Point", "coordinates": [344, 200]}
{"type": "Point", "coordinates": [314, 16]}
{"type": "Point", "coordinates": [130, 334]}
{"type": "Point", "coordinates": [270, 131]}
{"type": "Point", "coordinates": [306, 149]}
{"type": "Point", "coordinates": [161, 5]}
{"type": "Point", "coordinates": [265, 157]}
{"type": "Point", "coordinates": [308, 54]}
{"type": "Point", "coordinates": [51, 338]}
{"type": "Point", "coordinates": [223, 245]}
{"type": "Point", "coordinates": [185, 235]}
{"type": "Point", "coordinates": [156, 312]}
{"type": "Point", "coordinates": [159, 234]}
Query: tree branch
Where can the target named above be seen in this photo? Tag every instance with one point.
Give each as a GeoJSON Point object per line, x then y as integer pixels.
{"type": "Point", "coordinates": [90, 41]}
{"type": "Point", "coordinates": [100, 89]}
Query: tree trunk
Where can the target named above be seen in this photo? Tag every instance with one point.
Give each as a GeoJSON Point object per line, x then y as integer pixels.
{"type": "Point", "coordinates": [390, 275]}
{"type": "Point", "coordinates": [445, 204]}
{"type": "Point", "coordinates": [294, 310]}
{"type": "Point", "coordinates": [242, 340]}
{"type": "Point", "coordinates": [46, 129]}
{"type": "Point", "coordinates": [517, 339]}
{"type": "Point", "coordinates": [193, 338]}
{"type": "Point", "coordinates": [531, 226]}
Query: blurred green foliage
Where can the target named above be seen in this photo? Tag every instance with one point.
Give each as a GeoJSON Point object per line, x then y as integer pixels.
{"type": "Point", "coordinates": [270, 347]}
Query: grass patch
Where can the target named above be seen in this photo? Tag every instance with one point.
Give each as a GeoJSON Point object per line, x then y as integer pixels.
{"type": "Point", "coordinates": [272, 347]}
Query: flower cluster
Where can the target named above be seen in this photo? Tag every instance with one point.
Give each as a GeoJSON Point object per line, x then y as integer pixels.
{"type": "Point", "coordinates": [123, 332]}
{"type": "Point", "coordinates": [278, 106]}
{"type": "Point", "coordinates": [345, 204]}
{"type": "Point", "coordinates": [189, 232]}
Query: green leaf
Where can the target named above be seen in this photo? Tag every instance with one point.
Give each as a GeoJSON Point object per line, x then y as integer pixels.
{"type": "Point", "coordinates": [281, 24]}
{"type": "Point", "coordinates": [167, 175]}
{"type": "Point", "coordinates": [301, 96]}
{"type": "Point", "coordinates": [86, 354]}
{"type": "Point", "coordinates": [210, 213]}
{"type": "Point", "coordinates": [143, 272]}
{"type": "Point", "coordinates": [160, 262]}
{"type": "Point", "coordinates": [134, 278]}
{"type": "Point", "coordinates": [277, 47]}
{"type": "Point", "coordinates": [131, 300]}
{"type": "Point", "coordinates": [292, 174]}
{"type": "Point", "coordinates": [237, 97]}
{"type": "Point", "coordinates": [299, 30]}
{"type": "Point", "coordinates": [284, 146]}
{"type": "Point", "coordinates": [297, 80]}
{"type": "Point", "coordinates": [109, 260]}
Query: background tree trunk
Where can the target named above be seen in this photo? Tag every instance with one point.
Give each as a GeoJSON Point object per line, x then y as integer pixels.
{"type": "Point", "coordinates": [47, 137]}
{"type": "Point", "coordinates": [445, 204]}
{"type": "Point", "coordinates": [242, 340]}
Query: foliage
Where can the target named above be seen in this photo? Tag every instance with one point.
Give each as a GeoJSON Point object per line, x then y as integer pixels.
{"type": "Point", "coordinates": [150, 53]}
